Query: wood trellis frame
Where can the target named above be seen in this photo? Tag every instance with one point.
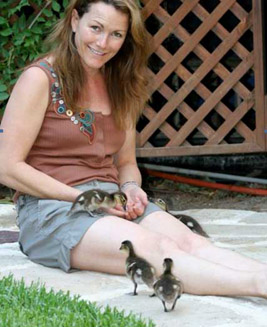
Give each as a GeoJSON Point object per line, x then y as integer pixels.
{"type": "Point", "coordinates": [251, 101]}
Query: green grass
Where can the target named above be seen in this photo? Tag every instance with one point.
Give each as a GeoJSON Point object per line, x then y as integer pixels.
{"type": "Point", "coordinates": [34, 306]}
{"type": "Point", "coordinates": [6, 201]}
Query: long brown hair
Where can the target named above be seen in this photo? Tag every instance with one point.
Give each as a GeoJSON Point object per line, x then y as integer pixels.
{"type": "Point", "coordinates": [126, 73]}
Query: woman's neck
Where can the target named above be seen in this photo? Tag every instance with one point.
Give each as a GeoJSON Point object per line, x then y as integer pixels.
{"type": "Point", "coordinates": [95, 94]}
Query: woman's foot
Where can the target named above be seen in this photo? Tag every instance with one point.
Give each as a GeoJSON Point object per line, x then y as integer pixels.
{"type": "Point", "coordinates": [261, 284]}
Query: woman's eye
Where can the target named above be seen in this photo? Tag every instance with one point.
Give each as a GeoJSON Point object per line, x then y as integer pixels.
{"type": "Point", "coordinates": [117, 34]}
{"type": "Point", "coordinates": [95, 28]}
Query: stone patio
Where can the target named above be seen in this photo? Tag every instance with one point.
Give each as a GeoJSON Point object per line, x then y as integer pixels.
{"type": "Point", "coordinates": [244, 231]}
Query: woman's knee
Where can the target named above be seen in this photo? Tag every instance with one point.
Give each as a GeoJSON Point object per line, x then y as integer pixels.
{"type": "Point", "coordinates": [160, 245]}
{"type": "Point", "coordinates": [193, 243]}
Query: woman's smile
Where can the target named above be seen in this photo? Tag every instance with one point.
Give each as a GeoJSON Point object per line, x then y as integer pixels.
{"type": "Point", "coordinates": [102, 31]}
{"type": "Point", "coordinates": [96, 52]}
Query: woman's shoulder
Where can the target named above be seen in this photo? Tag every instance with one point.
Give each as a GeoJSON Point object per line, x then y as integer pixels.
{"type": "Point", "coordinates": [39, 68]}
{"type": "Point", "coordinates": [33, 77]}
{"type": "Point", "coordinates": [30, 92]}
{"type": "Point", "coordinates": [38, 74]}
{"type": "Point", "coordinates": [32, 81]}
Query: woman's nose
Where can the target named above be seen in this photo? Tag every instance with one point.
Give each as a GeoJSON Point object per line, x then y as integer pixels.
{"type": "Point", "coordinates": [102, 40]}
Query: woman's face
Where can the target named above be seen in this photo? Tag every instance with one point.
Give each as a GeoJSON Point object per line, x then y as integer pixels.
{"type": "Point", "coordinates": [99, 34]}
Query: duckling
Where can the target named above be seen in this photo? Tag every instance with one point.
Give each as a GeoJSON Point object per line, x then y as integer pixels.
{"type": "Point", "coordinates": [138, 269]}
{"type": "Point", "coordinates": [97, 200]}
{"type": "Point", "coordinates": [116, 198]}
{"type": "Point", "coordinates": [190, 222]}
{"type": "Point", "coordinates": [168, 288]}
{"type": "Point", "coordinates": [88, 201]}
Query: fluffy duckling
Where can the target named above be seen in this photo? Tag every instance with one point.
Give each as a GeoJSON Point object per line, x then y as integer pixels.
{"type": "Point", "coordinates": [116, 198]}
{"type": "Point", "coordinates": [97, 200]}
{"type": "Point", "coordinates": [137, 269]}
{"type": "Point", "coordinates": [168, 288]}
{"type": "Point", "coordinates": [190, 222]}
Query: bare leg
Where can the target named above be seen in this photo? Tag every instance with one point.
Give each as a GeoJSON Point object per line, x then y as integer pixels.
{"type": "Point", "coordinates": [230, 258]}
{"type": "Point", "coordinates": [199, 246]}
{"type": "Point", "coordinates": [99, 251]}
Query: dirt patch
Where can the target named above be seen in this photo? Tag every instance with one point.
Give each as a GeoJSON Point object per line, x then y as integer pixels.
{"type": "Point", "coordinates": [183, 197]}
{"type": "Point", "coordinates": [180, 196]}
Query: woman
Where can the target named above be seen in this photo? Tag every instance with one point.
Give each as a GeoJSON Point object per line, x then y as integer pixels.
{"type": "Point", "coordinates": [70, 123]}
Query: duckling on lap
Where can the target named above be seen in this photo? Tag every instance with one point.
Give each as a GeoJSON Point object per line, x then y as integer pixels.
{"type": "Point", "coordinates": [138, 269]}
{"type": "Point", "coordinates": [97, 200]}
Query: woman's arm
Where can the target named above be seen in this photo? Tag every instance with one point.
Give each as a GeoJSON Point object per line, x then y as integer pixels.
{"type": "Point", "coordinates": [129, 172]}
{"type": "Point", "coordinates": [126, 160]}
{"type": "Point", "coordinates": [21, 124]}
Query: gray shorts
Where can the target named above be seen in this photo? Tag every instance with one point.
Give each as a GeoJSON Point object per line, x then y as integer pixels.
{"type": "Point", "coordinates": [47, 234]}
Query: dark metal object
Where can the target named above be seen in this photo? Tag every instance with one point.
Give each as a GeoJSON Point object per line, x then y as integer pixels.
{"type": "Point", "coordinates": [244, 164]}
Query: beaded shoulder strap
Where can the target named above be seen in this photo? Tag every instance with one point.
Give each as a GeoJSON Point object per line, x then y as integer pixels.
{"type": "Point", "coordinates": [85, 119]}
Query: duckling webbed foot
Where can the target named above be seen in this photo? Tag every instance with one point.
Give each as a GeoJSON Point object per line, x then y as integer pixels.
{"type": "Point", "coordinates": [174, 303]}
{"type": "Point", "coordinates": [135, 288]}
{"type": "Point", "coordinates": [172, 308]}
{"type": "Point", "coordinates": [165, 308]}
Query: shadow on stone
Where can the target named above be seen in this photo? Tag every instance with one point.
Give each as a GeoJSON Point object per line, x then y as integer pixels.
{"type": "Point", "coordinates": [7, 236]}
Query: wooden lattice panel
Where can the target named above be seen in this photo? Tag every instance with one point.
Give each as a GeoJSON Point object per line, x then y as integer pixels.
{"type": "Point", "coordinates": [203, 78]}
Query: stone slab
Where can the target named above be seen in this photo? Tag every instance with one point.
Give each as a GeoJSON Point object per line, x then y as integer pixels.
{"type": "Point", "coordinates": [242, 231]}
{"type": "Point", "coordinates": [8, 216]}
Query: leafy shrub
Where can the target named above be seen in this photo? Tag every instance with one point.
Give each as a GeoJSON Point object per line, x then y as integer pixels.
{"type": "Point", "coordinates": [24, 25]}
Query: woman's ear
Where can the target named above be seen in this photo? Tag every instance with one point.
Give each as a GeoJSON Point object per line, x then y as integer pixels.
{"type": "Point", "coordinates": [74, 20]}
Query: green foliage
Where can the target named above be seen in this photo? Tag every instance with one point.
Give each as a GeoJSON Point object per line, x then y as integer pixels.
{"type": "Point", "coordinates": [24, 25]}
{"type": "Point", "coordinates": [22, 306]}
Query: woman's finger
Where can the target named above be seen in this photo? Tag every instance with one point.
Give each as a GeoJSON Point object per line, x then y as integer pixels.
{"type": "Point", "coordinates": [116, 212]}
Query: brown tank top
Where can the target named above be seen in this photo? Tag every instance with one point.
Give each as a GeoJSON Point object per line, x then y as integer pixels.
{"type": "Point", "coordinates": [74, 148]}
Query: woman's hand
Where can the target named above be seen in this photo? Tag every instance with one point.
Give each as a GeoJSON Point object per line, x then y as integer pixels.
{"type": "Point", "coordinates": [136, 204]}
{"type": "Point", "coordinates": [137, 201]}
{"type": "Point", "coordinates": [130, 176]}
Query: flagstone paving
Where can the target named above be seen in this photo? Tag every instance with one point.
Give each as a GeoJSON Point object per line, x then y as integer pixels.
{"type": "Point", "coordinates": [242, 231]}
